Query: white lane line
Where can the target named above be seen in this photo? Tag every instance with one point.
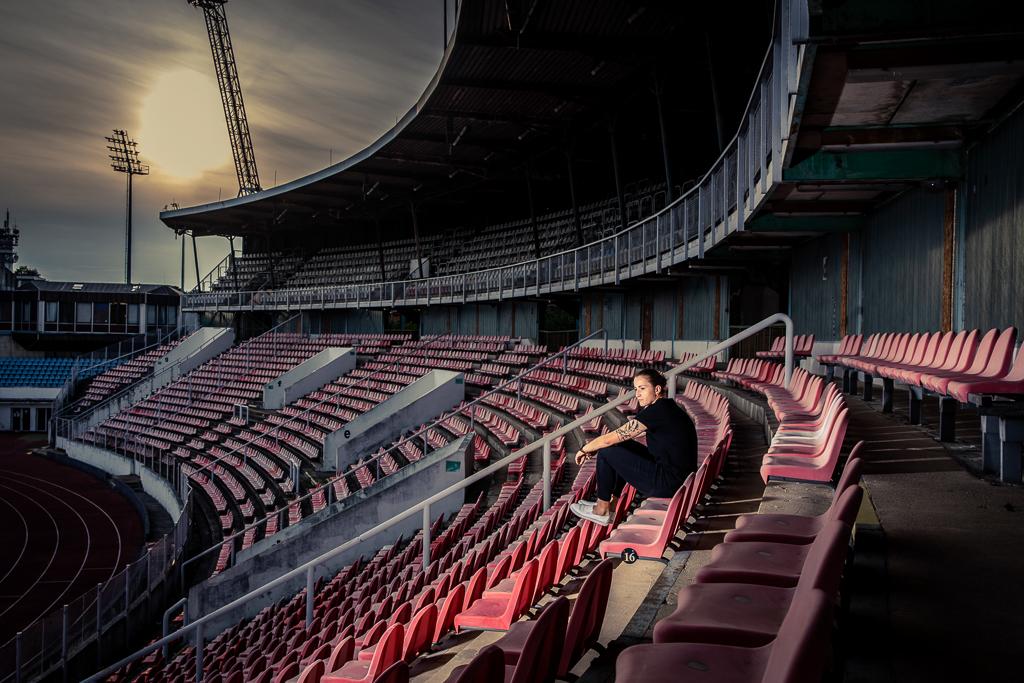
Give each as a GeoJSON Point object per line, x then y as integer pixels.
{"type": "Point", "coordinates": [113, 524]}
{"type": "Point", "coordinates": [24, 544]}
{"type": "Point", "coordinates": [56, 546]}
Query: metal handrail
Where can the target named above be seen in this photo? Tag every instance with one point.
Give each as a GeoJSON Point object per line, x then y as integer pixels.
{"type": "Point", "coordinates": [128, 356]}
{"type": "Point", "coordinates": [75, 420]}
{"type": "Point", "coordinates": [375, 458]}
{"type": "Point", "coordinates": [543, 443]}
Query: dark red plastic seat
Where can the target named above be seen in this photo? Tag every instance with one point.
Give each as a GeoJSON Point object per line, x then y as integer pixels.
{"type": "Point", "coordinates": [797, 655]}
{"type": "Point", "coordinates": [769, 564]}
{"type": "Point", "coordinates": [583, 627]}
{"type": "Point", "coordinates": [800, 529]}
{"type": "Point", "coordinates": [750, 615]}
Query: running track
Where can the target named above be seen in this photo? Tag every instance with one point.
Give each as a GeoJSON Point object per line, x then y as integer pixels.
{"type": "Point", "coordinates": [62, 531]}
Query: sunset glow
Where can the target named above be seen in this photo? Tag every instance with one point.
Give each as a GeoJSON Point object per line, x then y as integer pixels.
{"type": "Point", "coordinates": [182, 125]}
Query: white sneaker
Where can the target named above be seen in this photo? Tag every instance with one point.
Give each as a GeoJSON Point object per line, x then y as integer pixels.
{"type": "Point", "coordinates": [583, 511]}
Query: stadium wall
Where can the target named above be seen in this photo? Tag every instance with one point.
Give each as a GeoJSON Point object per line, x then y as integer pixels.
{"type": "Point", "coordinates": [684, 310]}
{"type": "Point", "coordinates": [512, 318]}
{"type": "Point", "coordinates": [992, 217]}
{"type": "Point", "coordinates": [894, 272]}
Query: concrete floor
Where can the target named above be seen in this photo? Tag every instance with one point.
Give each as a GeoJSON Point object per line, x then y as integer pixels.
{"type": "Point", "coordinates": [938, 594]}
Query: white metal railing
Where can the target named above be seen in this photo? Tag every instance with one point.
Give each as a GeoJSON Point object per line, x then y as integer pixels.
{"type": "Point", "coordinates": [716, 206]}
{"type": "Point", "coordinates": [423, 508]}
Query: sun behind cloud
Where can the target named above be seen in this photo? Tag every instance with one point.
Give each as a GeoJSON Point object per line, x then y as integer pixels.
{"type": "Point", "coordinates": [181, 125]}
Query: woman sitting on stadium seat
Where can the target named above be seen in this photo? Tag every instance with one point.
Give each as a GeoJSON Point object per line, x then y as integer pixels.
{"type": "Point", "coordinates": [656, 470]}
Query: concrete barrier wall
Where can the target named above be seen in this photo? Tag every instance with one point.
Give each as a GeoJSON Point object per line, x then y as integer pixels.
{"type": "Point", "coordinates": [421, 401]}
{"type": "Point", "coordinates": [293, 546]}
{"type": "Point", "coordinates": [308, 376]}
{"type": "Point", "coordinates": [118, 465]}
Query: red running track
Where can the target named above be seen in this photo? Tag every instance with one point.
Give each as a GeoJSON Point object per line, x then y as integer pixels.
{"type": "Point", "coordinates": [62, 531]}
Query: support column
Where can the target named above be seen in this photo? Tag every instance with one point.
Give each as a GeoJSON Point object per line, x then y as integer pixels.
{"type": "Point", "coordinates": [533, 212]}
{"type": "Point", "coordinates": [714, 94]}
{"type": "Point", "coordinates": [888, 386]}
{"type": "Point", "coordinates": [380, 249]}
{"type": "Point", "coordinates": [990, 445]}
{"type": "Point", "coordinates": [869, 387]}
{"type": "Point", "coordinates": [844, 287]}
{"type": "Point", "coordinates": [416, 239]}
{"type": "Point", "coordinates": [947, 418]}
{"type": "Point", "coordinates": [658, 92]}
{"type": "Point", "coordinates": [615, 171]}
{"type": "Point", "coordinates": [948, 242]}
{"type": "Point", "coordinates": [914, 408]}
{"type": "Point", "coordinates": [577, 223]}
{"type": "Point", "coordinates": [195, 256]}
{"type": "Point", "coordinates": [1011, 434]}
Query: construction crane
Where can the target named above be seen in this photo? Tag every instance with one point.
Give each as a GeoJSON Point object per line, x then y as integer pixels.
{"type": "Point", "coordinates": [230, 94]}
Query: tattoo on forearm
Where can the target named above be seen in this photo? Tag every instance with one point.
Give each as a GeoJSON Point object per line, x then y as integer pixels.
{"type": "Point", "coordinates": [630, 429]}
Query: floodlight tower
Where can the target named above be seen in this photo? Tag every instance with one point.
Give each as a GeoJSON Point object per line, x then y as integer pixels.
{"type": "Point", "coordinates": [230, 94]}
{"type": "Point", "coordinates": [124, 158]}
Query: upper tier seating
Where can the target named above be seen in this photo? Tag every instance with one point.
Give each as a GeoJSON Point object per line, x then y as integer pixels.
{"type": "Point", "coordinates": [456, 250]}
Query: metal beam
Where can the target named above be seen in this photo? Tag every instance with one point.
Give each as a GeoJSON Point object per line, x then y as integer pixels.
{"type": "Point", "coordinates": [773, 223]}
{"type": "Point", "coordinates": [913, 164]}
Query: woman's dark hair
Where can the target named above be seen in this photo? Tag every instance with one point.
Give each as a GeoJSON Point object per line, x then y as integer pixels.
{"type": "Point", "coordinates": [653, 376]}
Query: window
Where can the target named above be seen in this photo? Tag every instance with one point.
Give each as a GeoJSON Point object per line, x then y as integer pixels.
{"type": "Point", "coordinates": [83, 313]}
{"type": "Point", "coordinates": [101, 314]}
{"type": "Point", "coordinates": [133, 314]}
{"type": "Point", "coordinates": [51, 311]}
{"type": "Point", "coordinates": [118, 315]}
{"type": "Point", "coordinates": [150, 315]}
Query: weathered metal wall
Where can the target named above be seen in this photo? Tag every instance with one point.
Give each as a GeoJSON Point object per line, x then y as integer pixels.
{"type": "Point", "coordinates": [698, 311]}
{"type": "Point", "coordinates": [815, 275]}
{"type": "Point", "coordinates": [513, 318]}
{"type": "Point", "coordinates": [681, 310]}
{"type": "Point", "coordinates": [665, 312]}
{"type": "Point", "coordinates": [993, 213]}
{"type": "Point", "coordinates": [901, 272]}
{"type": "Point", "coordinates": [357, 321]}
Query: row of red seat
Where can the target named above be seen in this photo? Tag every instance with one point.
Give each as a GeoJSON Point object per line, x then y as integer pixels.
{"type": "Point", "coordinates": [760, 610]}
{"type": "Point", "coordinates": [803, 345]}
{"type": "Point", "coordinates": [812, 418]}
{"type": "Point", "coordinates": [955, 364]}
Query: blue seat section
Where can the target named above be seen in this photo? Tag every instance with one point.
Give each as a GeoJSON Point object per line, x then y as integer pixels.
{"type": "Point", "coordinates": [34, 372]}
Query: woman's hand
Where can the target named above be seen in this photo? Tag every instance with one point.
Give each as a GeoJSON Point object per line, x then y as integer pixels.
{"type": "Point", "coordinates": [582, 457]}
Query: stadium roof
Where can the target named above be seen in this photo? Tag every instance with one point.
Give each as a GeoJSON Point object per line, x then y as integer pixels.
{"type": "Point", "coordinates": [510, 85]}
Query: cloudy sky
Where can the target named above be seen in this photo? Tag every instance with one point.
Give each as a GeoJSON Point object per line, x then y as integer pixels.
{"type": "Point", "coordinates": [320, 78]}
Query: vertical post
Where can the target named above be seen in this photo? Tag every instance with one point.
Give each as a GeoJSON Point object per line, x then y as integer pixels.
{"type": "Point", "coordinates": [426, 536]}
{"type": "Point", "coordinates": [664, 138]}
{"type": "Point", "coordinates": [789, 351]}
{"type": "Point", "coordinates": [309, 597]}
{"type": "Point", "coordinates": [572, 197]}
{"type": "Point", "coordinates": [533, 214]}
{"type": "Point", "coordinates": [195, 256]}
{"type": "Point", "coordinates": [547, 474]}
{"type": "Point", "coordinates": [17, 657]}
{"type": "Point", "coordinates": [64, 641]}
{"type": "Point", "coordinates": [416, 242]}
{"type": "Point", "coordinates": [199, 653]}
{"type": "Point", "coordinates": [618, 180]}
{"type": "Point", "coordinates": [99, 625]}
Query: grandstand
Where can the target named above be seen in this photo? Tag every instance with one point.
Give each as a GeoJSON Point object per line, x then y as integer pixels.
{"type": "Point", "coordinates": [366, 429]}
